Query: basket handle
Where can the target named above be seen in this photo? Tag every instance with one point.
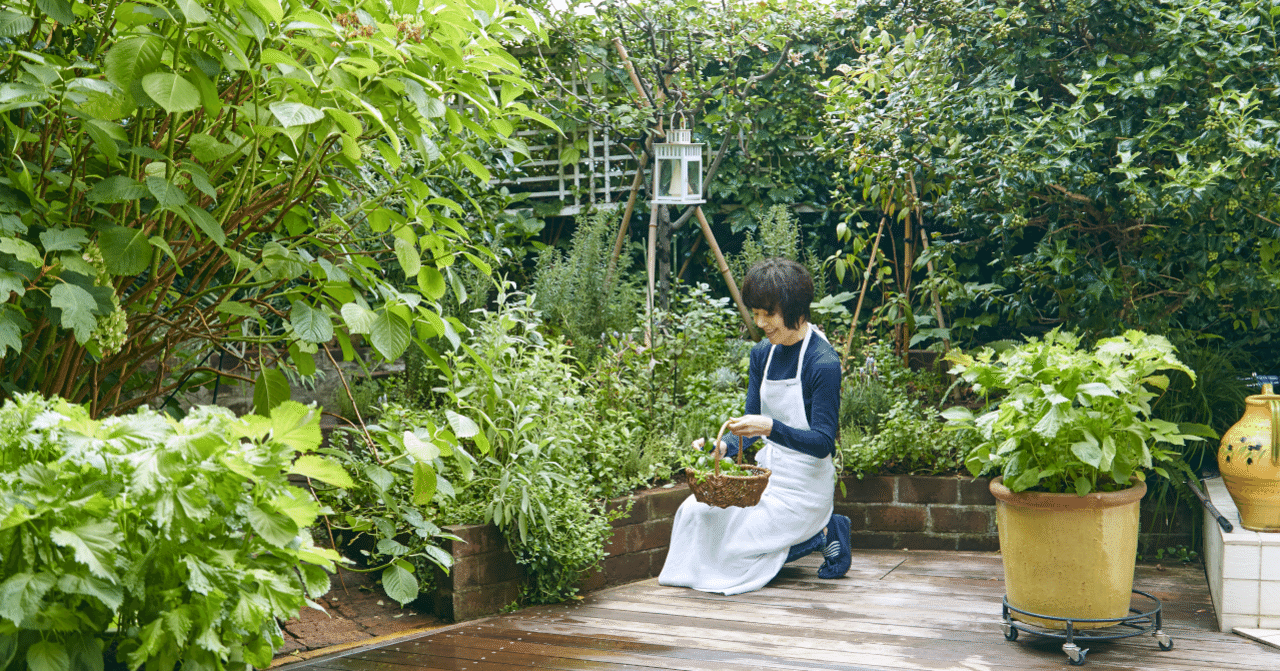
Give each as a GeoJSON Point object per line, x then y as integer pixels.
{"type": "Point", "coordinates": [717, 444]}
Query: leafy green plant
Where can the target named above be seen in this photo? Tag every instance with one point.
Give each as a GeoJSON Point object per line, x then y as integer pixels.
{"type": "Point", "coordinates": [907, 439]}
{"type": "Point", "coordinates": [1072, 419]}
{"type": "Point", "coordinates": [181, 178]}
{"type": "Point", "coordinates": [168, 542]}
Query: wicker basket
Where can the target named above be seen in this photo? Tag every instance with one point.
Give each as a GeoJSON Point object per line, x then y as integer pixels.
{"type": "Point", "coordinates": [723, 491]}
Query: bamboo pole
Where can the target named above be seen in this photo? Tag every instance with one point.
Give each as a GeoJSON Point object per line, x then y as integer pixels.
{"type": "Point", "coordinates": [862, 293]}
{"type": "Point", "coordinates": [650, 267]}
{"type": "Point", "coordinates": [937, 303]}
{"type": "Point", "coordinates": [724, 271]}
{"type": "Point", "coordinates": [644, 160]}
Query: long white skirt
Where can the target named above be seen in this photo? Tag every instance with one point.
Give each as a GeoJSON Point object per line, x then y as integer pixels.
{"type": "Point", "coordinates": [736, 550]}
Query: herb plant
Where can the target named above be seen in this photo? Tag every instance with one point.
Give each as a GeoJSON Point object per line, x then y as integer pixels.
{"type": "Point", "coordinates": [1061, 418]}
{"type": "Point", "coordinates": [168, 542]}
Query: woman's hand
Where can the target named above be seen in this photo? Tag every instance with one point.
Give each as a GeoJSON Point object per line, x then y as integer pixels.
{"type": "Point", "coordinates": [720, 450]}
{"type": "Point", "coordinates": [748, 426]}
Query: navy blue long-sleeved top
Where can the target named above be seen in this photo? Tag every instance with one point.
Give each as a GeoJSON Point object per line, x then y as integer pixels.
{"type": "Point", "coordinates": [819, 384]}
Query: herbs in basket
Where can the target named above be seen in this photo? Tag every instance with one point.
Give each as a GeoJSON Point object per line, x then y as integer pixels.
{"type": "Point", "coordinates": [723, 482]}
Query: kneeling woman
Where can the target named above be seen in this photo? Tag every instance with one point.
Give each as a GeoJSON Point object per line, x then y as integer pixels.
{"type": "Point", "coordinates": [793, 404]}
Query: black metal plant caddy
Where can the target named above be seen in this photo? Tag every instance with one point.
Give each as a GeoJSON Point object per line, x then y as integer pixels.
{"type": "Point", "coordinates": [1137, 623]}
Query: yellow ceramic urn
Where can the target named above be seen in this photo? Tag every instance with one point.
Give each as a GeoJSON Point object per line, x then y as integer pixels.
{"type": "Point", "coordinates": [1249, 459]}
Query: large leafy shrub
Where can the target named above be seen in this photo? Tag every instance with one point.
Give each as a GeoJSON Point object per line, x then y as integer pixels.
{"type": "Point", "coordinates": [168, 542]}
{"type": "Point", "coordinates": [182, 178]}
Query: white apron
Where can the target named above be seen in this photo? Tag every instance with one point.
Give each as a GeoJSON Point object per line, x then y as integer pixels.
{"type": "Point", "coordinates": [736, 550]}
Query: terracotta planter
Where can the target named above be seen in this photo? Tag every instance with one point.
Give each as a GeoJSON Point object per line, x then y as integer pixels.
{"type": "Point", "coordinates": [1249, 459]}
{"type": "Point", "coordinates": [1068, 556]}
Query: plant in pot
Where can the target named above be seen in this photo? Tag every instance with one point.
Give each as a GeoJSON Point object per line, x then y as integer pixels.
{"type": "Point", "coordinates": [1069, 432]}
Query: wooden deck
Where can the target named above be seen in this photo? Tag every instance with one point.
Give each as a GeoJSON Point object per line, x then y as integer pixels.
{"type": "Point", "coordinates": [895, 610]}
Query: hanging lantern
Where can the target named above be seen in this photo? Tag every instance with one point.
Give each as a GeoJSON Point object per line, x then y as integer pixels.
{"type": "Point", "coordinates": [678, 169]}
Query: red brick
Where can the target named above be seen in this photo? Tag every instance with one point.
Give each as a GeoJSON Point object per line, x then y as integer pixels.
{"type": "Point", "coordinates": [925, 541]}
{"type": "Point", "coordinates": [664, 502]}
{"type": "Point", "coordinates": [627, 567]}
{"type": "Point", "coordinates": [488, 600]}
{"type": "Point", "coordinates": [877, 489]}
{"type": "Point", "coordinates": [476, 539]}
{"type": "Point", "coordinates": [976, 492]}
{"type": "Point", "coordinates": [856, 512]}
{"type": "Point", "coordinates": [633, 514]}
{"type": "Point", "coordinates": [653, 534]}
{"type": "Point", "coordinates": [485, 569]}
{"type": "Point", "coordinates": [623, 540]}
{"type": "Point", "coordinates": [897, 518]}
{"type": "Point", "coordinates": [657, 558]}
{"type": "Point", "coordinates": [978, 543]}
{"type": "Point", "coordinates": [947, 519]}
{"type": "Point", "coordinates": [921, 489]}
{"type": "Point", "coordinates": [591, 579]}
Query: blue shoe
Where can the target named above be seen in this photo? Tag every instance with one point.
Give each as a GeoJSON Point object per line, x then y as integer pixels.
{"type": "Point", "coordinates": [838, 552]}
{"type": "Point", "coordinates": [804, 549]}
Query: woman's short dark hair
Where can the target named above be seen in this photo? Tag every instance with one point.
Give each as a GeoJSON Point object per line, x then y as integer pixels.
{"type": "Point", "coordinates": [779, 285]}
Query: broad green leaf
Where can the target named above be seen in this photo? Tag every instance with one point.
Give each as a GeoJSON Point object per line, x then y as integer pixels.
{"type": "Point", "coordinates": [389, 335]}
{"type": "Point", "coordinates": [431, 282]}
{"type": "Point", "coordinates": [399, 582]}
{"type": "Point", "coordinates": [358, 318]}
{"type": "Point", "coordinates": [295, 114]}
{"type": "Point", "coordinates": [424, 483]}
{"type": "Point", "coordinates": [94, 544]}
{"type": "Point", "coordinates": [1096, 389]}
{"type": "Point", "coordinates": [10, 332]}
{"type": "Point", "coordinates": [116, 189]}
{"type": "Point", "coordinates": [303, 361]}
{"type": "Point", "coordinates": [21, 249]}
{"type": "Point", "coordinates": [13, 24]}
{"type": "Point", "coordinates": [58, 10]}
{"type": "Point", "coordinates": [171, 92]}
{"type": "Point", "coordinates": [296, 425]}
{"type": "Point", "coordinates": [237, 309]}
{"type": "Point", "coordinates": [63, 239]}
{"type": "Point", "coordinates": [267, 10]}
{"type": "Point", "coordinates": [21, 595]}
{"type": "Point", "coordinates": [476, 167]}
{"type": "Point", "coordinates": [298, 505]}
{"type": "Point", "coordinates": [110, 594]}
{"type": "Point", "coordinates": [207, 149]}
{"type": "Point", "coordinates": [274, 527]}
{"type": "Point", "coordinates": [315, 579]}
{"type": "Point", "coordinates": [126, 251]}
{"type": "Point", "coordinates": [1088, 452]}
{"type": "Point", "coordinates": [48, 656]}
{"type": "Point", "coordinates": [381, 478]}
{"type": "Point", "coordinates": [310, 324]}
{"type": "Point", "coordinates": [419, 449]}
{"type": "Point", "coordinates": [270, 389]}
{"type": "Point", "coordinates": [11, 283]}
{"type": "Point", "coordinates": [407, 254]}
{"type": "Point", "coordinates": [193, 11]}
{"type": "Point", "coordinates": [206, 222]}
{"type": "Point", "coordinates": [322, 469]}
{"type": "Point", "coordinates": [166, 194]}
{"type": "Point", "coordinates": [462, 426]}
{"type": "Point", "coordinates": [77, 306]}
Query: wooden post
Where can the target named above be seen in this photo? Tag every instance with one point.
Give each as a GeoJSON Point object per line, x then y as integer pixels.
{"type": "Point", "coordinates": [644, 159]}
{"type": "Point", "coordinates": [862, 293]}
{"type": "Point", "coordinates": [725, 272]}
{"type": "Point", "coordinates": [650, 267]}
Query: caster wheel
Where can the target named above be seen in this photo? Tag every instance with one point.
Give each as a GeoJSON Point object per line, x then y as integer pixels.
{"type": "Point", "coordinates": [1075, 655]}
{"type": "Point", "coordinates": [1163, 640]}
{"type": "Point", "coordinates": [1010, 634]}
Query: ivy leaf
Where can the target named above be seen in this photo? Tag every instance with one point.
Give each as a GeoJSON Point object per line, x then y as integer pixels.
{"type": "Point", "coordinates": [171, 92]}
{"type": "Point", "coordinates": [399, 582]}
{"type": "Point", "coordinates": [48, 656]}
{"type": "Point", "coordinates": [270, 389]}
{"type": "Point", "coordinates": [77, 306]}
{"type": "Point", "coordinates": [276, 528]}
{"type": "Point", "coordinates": [127, 251]}
{"type": "Point", "coordinates": [94, 543]}
{"type": "Point", "coordinates": [324, 470]}
{"type": "Point", "coordinates": [311, 325]}
{"type": "Point", "coordinates": [389, 335]}
{"type": "Point", "coordinates": [294, 114]}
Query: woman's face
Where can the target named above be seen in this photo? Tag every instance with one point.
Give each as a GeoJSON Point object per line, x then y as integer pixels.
{"type": "Point", "coordinates": [775, 328]}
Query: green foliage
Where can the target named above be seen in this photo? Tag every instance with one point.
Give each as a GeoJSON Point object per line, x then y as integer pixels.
{"type": "Point", "coordinates": [864, 401]}
{"type": "Point", "coordinates": [171, 542]}
{"type": "Point", "coordinates": [1072, 419]}
{"type": "Point", "coordinates": [1110, 165]}
{"type": "Point", "coordinates": [576, 292]}
{"type": "Point", "coordinates": [906, 439]}
{"type": "Point", "coordinates": [182, 177]}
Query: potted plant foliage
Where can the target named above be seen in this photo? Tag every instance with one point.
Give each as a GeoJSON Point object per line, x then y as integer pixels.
{"type": "Point", "coordinates": [1069, 432]}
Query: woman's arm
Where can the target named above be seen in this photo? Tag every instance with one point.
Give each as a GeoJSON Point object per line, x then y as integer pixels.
{"type": "Point", "coordinates": [752, 407]}
{"type": "Point", "coordinates": [821, 387]}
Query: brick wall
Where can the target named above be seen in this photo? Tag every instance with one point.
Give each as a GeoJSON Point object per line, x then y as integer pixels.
{"type": "Point", "coordinates": [919, 513]}
{"type": "Point", "coordinates": [485, 576]}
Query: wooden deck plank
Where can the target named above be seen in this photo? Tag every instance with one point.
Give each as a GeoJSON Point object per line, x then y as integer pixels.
{"type": "Point", "coordinates": [895, 611]}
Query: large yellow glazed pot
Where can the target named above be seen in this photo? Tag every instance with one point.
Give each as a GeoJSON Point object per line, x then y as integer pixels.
{"type": "Point", "coordinates": [1249, 459]}
{"type": "Point", "coordinates": [1068, 556]}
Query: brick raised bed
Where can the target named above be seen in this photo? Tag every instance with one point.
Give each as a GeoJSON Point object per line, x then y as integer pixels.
{"type": "Point", "coordinates": [887, 512]}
